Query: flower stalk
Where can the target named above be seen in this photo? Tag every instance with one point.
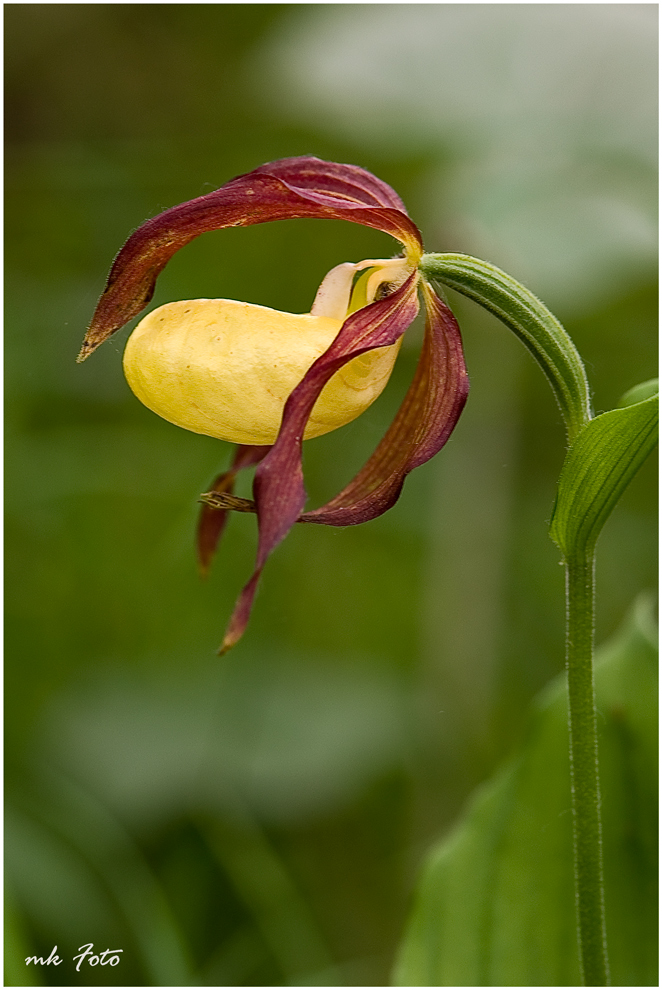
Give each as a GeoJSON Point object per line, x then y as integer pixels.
{"type": "Point", "coordinates": [529, 319]}
{"type": "Point", "coordinates": [584, 768]}
{"type": "Point", "coordinates": [553, 349]}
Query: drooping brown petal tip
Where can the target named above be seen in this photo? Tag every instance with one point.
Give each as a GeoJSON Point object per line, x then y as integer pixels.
{"type": "Point", "coordinates": [281, 190]}
{"type": "Point", "coordinates": [241, 615]}
{"type": "Point", "coordinates": [85, 351]}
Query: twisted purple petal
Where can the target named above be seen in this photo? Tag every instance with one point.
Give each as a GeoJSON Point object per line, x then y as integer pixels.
{"type": "Point", "coordinates": [422, 425]}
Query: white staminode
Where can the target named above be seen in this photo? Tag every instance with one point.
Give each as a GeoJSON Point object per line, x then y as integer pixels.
{"type": "Point", "coordinates": [333, 295]}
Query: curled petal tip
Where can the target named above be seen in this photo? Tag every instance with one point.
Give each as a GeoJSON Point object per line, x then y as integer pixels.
{"type": "Point", "coordinates": [100, 329]}
{"type": "Point", "coordinates": [85, 351]}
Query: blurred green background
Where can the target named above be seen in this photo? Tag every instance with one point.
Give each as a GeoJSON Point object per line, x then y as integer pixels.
{"type": "Point", "coordinates": [259, 819]}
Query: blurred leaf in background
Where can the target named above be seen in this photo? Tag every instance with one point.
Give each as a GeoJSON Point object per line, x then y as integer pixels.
{"type": "Point", "coordinates": [260, 819]}
{"type": "Point", "coordinates": [496, 904]}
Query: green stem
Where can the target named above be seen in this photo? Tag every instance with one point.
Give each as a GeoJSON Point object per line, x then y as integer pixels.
{"type": "Point", "coordinates": [589, 885]}
{"type": "Point", "coordinates": [529, 319]}
{"type": "Point", "coordinates": [574, 528]}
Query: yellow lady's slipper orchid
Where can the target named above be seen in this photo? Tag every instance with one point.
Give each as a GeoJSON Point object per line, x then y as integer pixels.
{"type": "Point", "coordinates": [268, 380]}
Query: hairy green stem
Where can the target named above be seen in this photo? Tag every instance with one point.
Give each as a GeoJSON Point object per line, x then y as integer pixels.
{"type": "Point", "coordinates": [574, 528]}
{"type": "Point", "coordinates": [589, 884]}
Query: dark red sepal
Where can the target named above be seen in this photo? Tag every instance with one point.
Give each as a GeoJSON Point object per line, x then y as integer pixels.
{"type": "Point", "coordinates": [281, 190]}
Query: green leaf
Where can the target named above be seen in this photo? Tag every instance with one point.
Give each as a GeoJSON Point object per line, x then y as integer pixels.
{"type": "Point", "coordinates": [598, 468]}
{"type": "Point", "coordinates": [496, 905]}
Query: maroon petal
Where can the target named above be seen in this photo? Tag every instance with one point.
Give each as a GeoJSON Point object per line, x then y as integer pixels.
{"type": "Point", "coordinates": [422, 426]}
{"type": "Point", "coordinates": [211, 522]}
{"type": "Point", "coordinates": [331, 178]}
{"type": "Point", "coordinates": [282, 190]}
{"type": "Point", "coordinates": [278, 487]}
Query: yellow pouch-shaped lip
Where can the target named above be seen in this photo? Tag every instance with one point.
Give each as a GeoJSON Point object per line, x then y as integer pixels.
{"type": "Point", "coordinates": [226, 369]}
